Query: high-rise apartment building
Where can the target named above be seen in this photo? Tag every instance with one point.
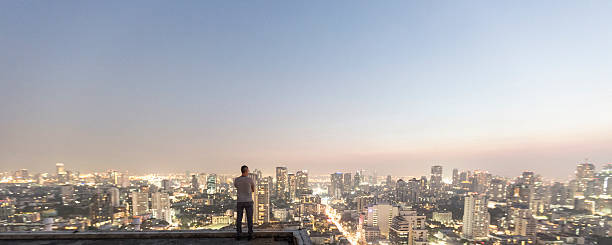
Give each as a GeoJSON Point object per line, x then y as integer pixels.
{"type": "Point", "coordinates": [410, 191]}
{"type": "Point", "coordinates": [160, 206]}
{"type": "Point", "coordinates": [381, 216]}
{"type": "Point", "coordinates": [61, 174]}
{"type": "Point", "coordinates": [336, 187]}
{"type": "Point", "coordinates": [346, 182]}
{"type": "Point", "coordinates": [559, 194]}
{"type": "Point", "coordinates": [114, 177]}
{"type": "Point", "coordinates": [166, 185]}
{"type": "Point", "coordinates": [211, 184]}
{"type": "Point", "coordinates": [363, 202]}
{"type": "Point", "coordinates": [125, 179]}
{"type": "Point", "coordinates": [456, 180]}
{"type": "Point", "coordinates": [262, 209]}
{"type": "Point", "coordinates": [389, 181]}
{"type": "Point", "coordinates": [480, 181]}
{"type": "Point", "coordinates": [114, 194]}
{"type": "Point", "coordinates": [100, 208]}
{"type": "Point", "coordinates": [59, 168]}
{"type": "Point", "coordinates": [281, 182]}
{"type": "Point", "coordinates": [475, 217]}
{"type": "Point", "coordinates": [585, 173]}
{"type": "Point", "coordinates": [194, 182]}
{"type": "Point", "coordinates": [302, 182]}
{"type": "Point", "coordinates": [402, 193]}
{"type": "Point", "coordinates": [605, 177]}
{"type": "Point", "coordinates": [498, 189]}
{"type": "Point", "coordinates": [255, 175]}
{"type": "Point", "coordinates": [140, 203]}
{"type": "Point", "coordinates": [435, 181]}
{"type": "Point", "coordinates": [357, 180]}
{"type": "Point", "coordinates": [527, 178]}
{"type": "Point", "coordinates": [292, 186]}
{"type": "Point", "coordinates": [67, 194]}
{"type": "Point", "coordinates": [525, 223]}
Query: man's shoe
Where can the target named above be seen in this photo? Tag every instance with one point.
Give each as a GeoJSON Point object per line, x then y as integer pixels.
{"type": "Point", "coordinates": [237, 237]}
{"type": "Point", "coordinates": [250, 237]}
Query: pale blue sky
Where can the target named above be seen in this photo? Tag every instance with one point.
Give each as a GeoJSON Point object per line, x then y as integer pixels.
{"type": "Point", "coordinates": [321, 85]}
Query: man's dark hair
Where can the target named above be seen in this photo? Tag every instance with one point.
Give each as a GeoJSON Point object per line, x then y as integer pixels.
{"type": "Point", "coordinates": [243, 168]}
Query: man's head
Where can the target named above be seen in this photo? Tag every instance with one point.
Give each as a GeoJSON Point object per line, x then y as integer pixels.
{"type": "Point", "coordinates": [245, 170]}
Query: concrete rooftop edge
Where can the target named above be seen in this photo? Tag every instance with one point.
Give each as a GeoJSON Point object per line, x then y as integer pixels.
{"type": "Point", "coordinates": [299, 237]}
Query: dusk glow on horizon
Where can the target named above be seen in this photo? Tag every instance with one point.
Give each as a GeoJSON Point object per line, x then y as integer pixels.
{"type": "Point", "coordinates": [394, 86]}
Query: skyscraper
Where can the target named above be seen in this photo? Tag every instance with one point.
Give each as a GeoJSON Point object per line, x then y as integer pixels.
{"type": "Point", "coordinates": [527, 178]}
{"type": "Point", "coordinates": [255, 176]}
{"type": "Point", "coordinates": [356, 180]}
{"type": "Point", "coordinates": [302, 182]}
{"type": "Point", "coordinates": [67, 194]}
{"type": "Point", "coordinates": [456, 180]}
{"type": "Point", "coordinates": [166, 184]}
{"type": "Point", "coordinates": [363, 202]}
{"type": "Point", "coordinates": [336, 186]}
{"type": "Point", "coordinates": [475, 217]}
{"type": "Point", "coordinates": [559, 194]}
{"type": "Point", "coordinates": [114, 196]}
{"type": "Point", "coordinates": [292, 186]}
{"type": "Point", "coordinates": [211, 184]}
{"type": "Point", "coordinates": [262, 210]}
{"type": "Point", "coordinates": [59, 169]}
{"type": "Point", "coordinates": [435, 181]}
{"type": "Point", "coordinates": [381, 216]}
{"type": "Point", "coordinates": [585, 173]}
{"type": "Point", "coordinates": [140, 203]}
{"type": "Point", "coordinates": [389, 181]}
{"type": "Point", "coordinates": [346, 182]}
{"type": "Point", "coordinates": [160, 206]}
{"type": "Point", "coordinates": [194, 182]}
{"type": "Point", "coordinates": [481, 181]}
{"type": "Point", "coordinates": [62, 175]}
{"type": "Point", "coordinates": [114, 177]}
{"type": "Point", "coordinates": [585, 170]}
{"type": "Point", "coordinates": [100, 208]}
{"type": "Point", "coordinates": [498, 189]}
{"type": "Point", "coordinates": [606, 179]}
{"type": "Point", "coordinates": [125, 179]}
{"type": "Point", "coordinates": [402, 192]}
{"type": "Point", "coordinates": [410, 191]}
{"type": "Point", "coordinates": [281, 182]}
{"type": "Point", "coordinates": [525, 223]}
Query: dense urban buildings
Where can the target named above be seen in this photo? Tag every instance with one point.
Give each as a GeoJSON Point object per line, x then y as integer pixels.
{"type": "Point", "coordinates": [476, 217]}
{"type": "Point", "coordinates": [338, 208]}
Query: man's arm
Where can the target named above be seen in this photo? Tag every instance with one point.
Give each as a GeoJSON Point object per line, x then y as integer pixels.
{"type": "Point", "coordinates": [235, 184]}
{"type": "Point", "coordinates": [252, 185]}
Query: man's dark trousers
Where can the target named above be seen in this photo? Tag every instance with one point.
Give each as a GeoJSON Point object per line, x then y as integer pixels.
{"type": "Point", "coordinates": [240, 207]}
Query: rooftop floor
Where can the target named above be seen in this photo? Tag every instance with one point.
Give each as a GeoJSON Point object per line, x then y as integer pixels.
{"type": "Point", "coordinates": [297, 237]}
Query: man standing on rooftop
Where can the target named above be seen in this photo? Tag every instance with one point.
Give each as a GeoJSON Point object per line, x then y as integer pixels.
{"type": "Point", "coordinates": [245, 187]}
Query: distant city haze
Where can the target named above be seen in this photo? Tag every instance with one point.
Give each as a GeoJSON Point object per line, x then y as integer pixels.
{"type": "Point", "coordinates": [393, 86]}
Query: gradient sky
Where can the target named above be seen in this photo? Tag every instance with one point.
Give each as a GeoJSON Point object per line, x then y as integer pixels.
{"type": "Point", "coordinates": [396, 86]}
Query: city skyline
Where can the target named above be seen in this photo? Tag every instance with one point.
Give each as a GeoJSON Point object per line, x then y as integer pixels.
{"type": "Point", "coordinates": [475, 206]}
{"type": "Point", "coordinates": [447, 172]}
{"type": "Point", "coordinates": [395, 86]}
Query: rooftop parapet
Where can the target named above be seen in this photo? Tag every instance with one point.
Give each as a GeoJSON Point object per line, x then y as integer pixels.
{"type": "Point", "coordinates": [295, 237]}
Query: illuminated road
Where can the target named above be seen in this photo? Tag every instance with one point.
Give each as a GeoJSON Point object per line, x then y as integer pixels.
{"type": "Point", "coordinates": [353, 238]}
